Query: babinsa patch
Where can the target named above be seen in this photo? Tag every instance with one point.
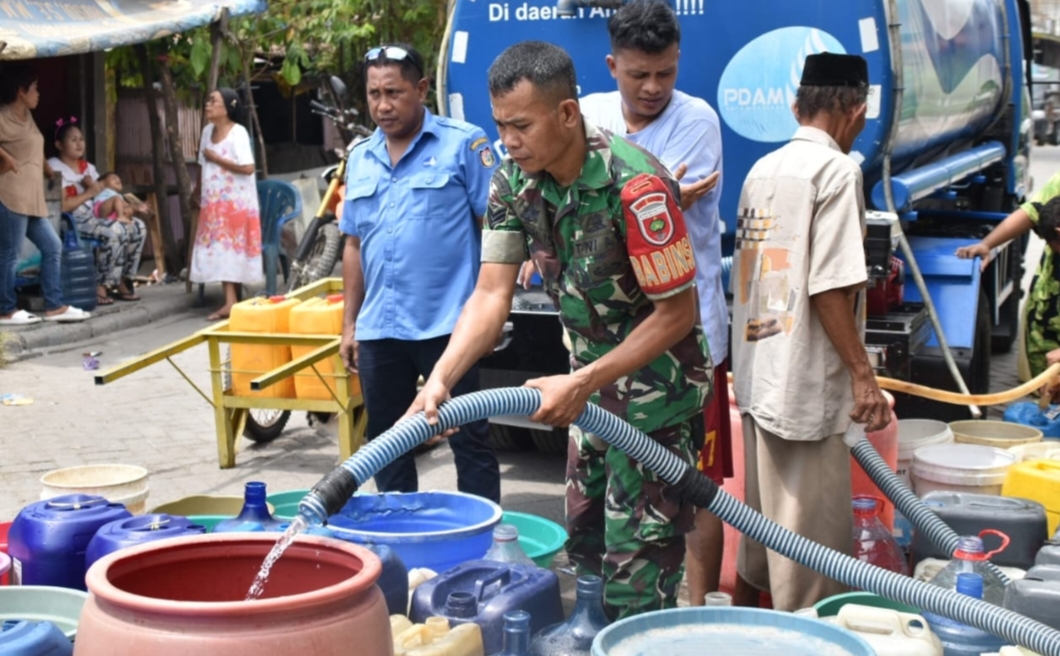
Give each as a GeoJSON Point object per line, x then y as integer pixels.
{"type": "Point", "coordinates": [656, 237]}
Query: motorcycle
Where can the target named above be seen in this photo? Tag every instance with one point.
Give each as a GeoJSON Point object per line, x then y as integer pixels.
{"type": "Point", "coordinates": [321, 245]}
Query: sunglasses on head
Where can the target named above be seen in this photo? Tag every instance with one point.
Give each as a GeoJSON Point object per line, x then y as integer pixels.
{"type": "Point", "coordinates": [392, 53]}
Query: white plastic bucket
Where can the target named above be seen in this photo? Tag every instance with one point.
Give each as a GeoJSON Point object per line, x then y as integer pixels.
{"type": "Point", "coordinates": [1047, 450]}
{"type": "Point", "coordinates": [126, 484]}
{"type": "Point", "coordinates": [960, 468]}
{"type": "Point", "coordinates": [915, 433]}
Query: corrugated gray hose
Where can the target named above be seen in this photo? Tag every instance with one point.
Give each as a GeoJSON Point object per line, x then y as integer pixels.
{"type": "Point", "coordinates": [332, 492]}
{"type": "Point", "coordinates": [925, 520]}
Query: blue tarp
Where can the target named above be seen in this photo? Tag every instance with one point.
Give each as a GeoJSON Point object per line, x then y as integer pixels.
{"type": "Point", "coordinates": [48, 28]}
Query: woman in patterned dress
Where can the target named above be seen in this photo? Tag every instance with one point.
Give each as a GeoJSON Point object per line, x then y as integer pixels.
{"type": "Point", "coordinates": [228, 242]}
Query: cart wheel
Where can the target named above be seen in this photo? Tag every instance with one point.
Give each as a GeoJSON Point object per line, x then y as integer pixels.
{"type": "Point", "coordinates": [265, 425]}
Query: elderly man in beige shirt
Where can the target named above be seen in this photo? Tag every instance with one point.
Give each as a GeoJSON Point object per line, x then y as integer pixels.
{"type": "Point", "coordinates": [799, 363]}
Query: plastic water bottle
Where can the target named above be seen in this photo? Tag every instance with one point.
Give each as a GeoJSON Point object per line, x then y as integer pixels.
{"type": "Point", "coordinates": [873, 543]}
{"type": "Point", "coordinates": [960, 639]}
{"type": "Point", "coordinates": [506, 549]}
{"type": "Point", "coordinates": [255, 511]}
{"type": "Point", "coordinates": [516, 634]}
{"type": "Point", "coordinates": [575, 636]}
{"type": "Point", "coordinates": [970, 557]}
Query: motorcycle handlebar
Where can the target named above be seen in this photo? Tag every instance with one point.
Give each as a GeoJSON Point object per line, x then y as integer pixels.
{"type": "Point", "coordinates": [321, 107]}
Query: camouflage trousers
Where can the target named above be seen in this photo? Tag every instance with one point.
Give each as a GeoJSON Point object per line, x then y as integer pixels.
{"type": "Point", "coordinates": [626, 525]}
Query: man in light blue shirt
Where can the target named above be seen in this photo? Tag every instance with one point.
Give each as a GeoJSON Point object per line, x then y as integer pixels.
{"type": "Point", "coordinates": [685, 134]}
{"type": "Point", "coordinates": [416, 192]}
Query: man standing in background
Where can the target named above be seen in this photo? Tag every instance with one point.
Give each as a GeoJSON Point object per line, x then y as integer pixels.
{"type": "Point", "coordinates": [684, 133]}
{"type": "Point", "coordinates": [416, 192]}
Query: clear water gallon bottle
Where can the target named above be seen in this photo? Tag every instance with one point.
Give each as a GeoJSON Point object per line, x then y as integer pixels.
{"type": "Point", "coordinates": [575, 636]}
{"type": "Point", "coordinates": [873, 543]}
{"type": "Point", "coordinates": [505, 548]}
{"type": "Point", "coordinates": [255, 512]}
{"type": "Point", "coordinates": [971, 557]}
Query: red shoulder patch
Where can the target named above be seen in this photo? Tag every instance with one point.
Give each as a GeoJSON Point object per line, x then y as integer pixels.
{"type": "Point", "coordinates": [656, 236]}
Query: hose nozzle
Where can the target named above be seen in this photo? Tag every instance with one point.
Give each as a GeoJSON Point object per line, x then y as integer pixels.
{"type": "Point", "coordinates": [328, 496]}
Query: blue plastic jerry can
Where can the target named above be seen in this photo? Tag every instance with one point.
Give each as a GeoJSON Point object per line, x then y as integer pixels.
{"type": "Point", "coordinates": [482, 591]}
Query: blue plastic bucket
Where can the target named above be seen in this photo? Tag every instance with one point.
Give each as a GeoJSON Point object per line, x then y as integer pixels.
{"type": "Point", "coordinates": [689, 631]}
{"type": "Point", "coordinates": [437, 530]}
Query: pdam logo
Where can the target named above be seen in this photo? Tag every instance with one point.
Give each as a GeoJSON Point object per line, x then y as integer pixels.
{"type": "Point", "coordinates": [758, 86]}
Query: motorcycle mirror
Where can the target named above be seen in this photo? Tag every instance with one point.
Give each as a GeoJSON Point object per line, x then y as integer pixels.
{"type": "Point", "coordinates": [339, 86]}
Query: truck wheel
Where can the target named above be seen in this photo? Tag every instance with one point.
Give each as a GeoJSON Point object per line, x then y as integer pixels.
{"type": "Point", "coordinates": [510, 438]}
{"type": "Point", "coordinates": [553, 442]}
{"type": "Point", "coordinates": [265, 425]}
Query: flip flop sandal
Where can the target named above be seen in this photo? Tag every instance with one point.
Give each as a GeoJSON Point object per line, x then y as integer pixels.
{"type": "Point", "coordinates": [71, 315]}
{"type": "Point", "coordinates": [104, 300]}
{"type": "Point", "coordinates": [20, 318]}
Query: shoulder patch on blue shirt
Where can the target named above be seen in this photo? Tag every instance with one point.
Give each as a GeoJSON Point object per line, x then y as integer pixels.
{"type": "Point", "coordinates": [478, 142]}
{"type": "Point", "coordinates": [486, 157]}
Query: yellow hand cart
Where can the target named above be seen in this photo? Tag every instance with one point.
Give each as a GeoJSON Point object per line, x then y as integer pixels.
{"type": "Point", "coordinates": [231, 410]}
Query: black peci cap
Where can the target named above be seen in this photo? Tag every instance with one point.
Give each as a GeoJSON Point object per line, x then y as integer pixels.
{"type": "Point", "coordinates": [831, 70]}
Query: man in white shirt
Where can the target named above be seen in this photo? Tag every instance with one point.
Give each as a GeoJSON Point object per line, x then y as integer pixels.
{"type": "Point", "coordinates": [801, 373]}
{"type": "Point", "coordinates": [684, 133]}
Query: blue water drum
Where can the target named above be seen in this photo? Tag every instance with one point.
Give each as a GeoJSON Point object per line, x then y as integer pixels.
{"type": "Point", "coordinates": [48, 539]}
{"type": "Point", "coordinates": [482, 591]}
{"type": "Point", "coordinates": [138, 530]}
{"type": "Point", "coordinates": [394, 581]}
{"type": "Point", "coordinates": [77, 273]}
{"type": "Point", "coordinates": [24, 638]}
{"type": "Point", "coordinates": [1029, 414]}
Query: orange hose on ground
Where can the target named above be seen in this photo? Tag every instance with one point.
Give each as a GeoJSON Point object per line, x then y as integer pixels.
{"type": "Point", "coordinates": [1046, 378]}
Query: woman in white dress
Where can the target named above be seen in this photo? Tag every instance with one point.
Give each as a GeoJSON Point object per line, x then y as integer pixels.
{"type": "Point", "coordinates": [228, 242]}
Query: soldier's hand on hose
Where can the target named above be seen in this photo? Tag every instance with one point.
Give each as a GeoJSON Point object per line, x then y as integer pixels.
{"type": "Point", "coordinates": [693, 191]}
{"type": "Point", "coordinates": [563, 398]}
{"type": "Point", "coordinates": [870, 405]}
{"type": "Point", "coordinates": [979, 250]}
{"type": "Point", "coordinates": [348, 351]}
{"type": "Point", "coordinates": [433, 394]}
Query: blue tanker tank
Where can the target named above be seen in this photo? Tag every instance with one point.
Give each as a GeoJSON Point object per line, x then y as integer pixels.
{"type": "Point", "coordinates": [945, 126]}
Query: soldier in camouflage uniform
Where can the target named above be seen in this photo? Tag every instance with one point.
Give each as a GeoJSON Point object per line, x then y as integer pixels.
{"type": "Point", "coordinates": [599, 218]}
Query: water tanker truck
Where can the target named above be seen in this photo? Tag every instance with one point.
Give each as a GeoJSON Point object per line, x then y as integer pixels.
{"type": "Point", "coordinates": [944, 154]}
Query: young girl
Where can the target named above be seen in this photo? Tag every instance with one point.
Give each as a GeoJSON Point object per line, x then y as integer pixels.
{"type": "Point", "coordinates": [228, 242]}
{"type": "Point", "coordinates": [121, 242]}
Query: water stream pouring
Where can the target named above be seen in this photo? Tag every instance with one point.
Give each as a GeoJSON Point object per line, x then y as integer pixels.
{"type": "Point", "coordinates": [329, 495]}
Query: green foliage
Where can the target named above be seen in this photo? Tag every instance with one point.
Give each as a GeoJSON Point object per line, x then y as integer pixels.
{"type": "Point", "coordinates": [304, 38]}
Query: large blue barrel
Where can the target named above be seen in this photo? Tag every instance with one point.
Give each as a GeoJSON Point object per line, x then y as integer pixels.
{"type": "Point", "coordinates": [745, 58]}
{"type": "Point", "coordinates": [48, 539]}
{"type": "Point", "coordinates": [23, 638]}
{"type": "Point", "coordinates": [78, 272]}
{"type": "Point", "coordinates": [135, 531]}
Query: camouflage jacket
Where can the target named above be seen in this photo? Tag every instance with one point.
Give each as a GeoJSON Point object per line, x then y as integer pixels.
{"type": "Point", "coordinates": [606, 247]}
